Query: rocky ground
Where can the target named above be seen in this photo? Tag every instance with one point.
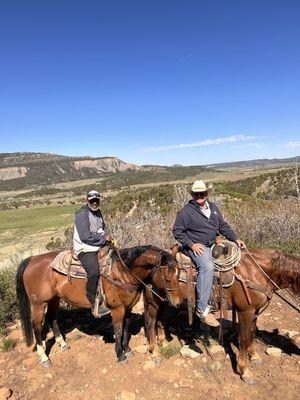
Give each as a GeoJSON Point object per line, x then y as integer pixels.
{"type": "Point", "coordinates": [88, 370]}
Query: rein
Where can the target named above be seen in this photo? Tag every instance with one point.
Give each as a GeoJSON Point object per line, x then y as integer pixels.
{"type": "Point", "coordinates": [136, 277]}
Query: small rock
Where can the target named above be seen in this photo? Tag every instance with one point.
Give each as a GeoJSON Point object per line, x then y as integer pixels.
{"type": "Point", "coordinates": [104, 371]}
{"type": "Point", "coordinates": [124, 395]}
{"type": "Point", "coordinates": [296, 339]}
{"type": "Point", "coordinates": [197, 374]}
{"type": "Point", "coordinates": [185, 365]}
{"type": "Point", "coordinates": [178, 363]}
{"type": "Point", "coordinates": [187, 351]}
{"type": "Point", "coordinates": [291, 334]}
{"type": "Point", "coordinates": [186, 383]}
{"type": "Point", "coordinates": [5, 393]}
{"type": "Point", "coordinates": [49, 375]}
{"type": "Point", "coordinates": [176, 385]}
{"type": "Point", "coordinates": [149, 365]}
{"type": "Point", "coordinates": [28, 362]}
{"type": "Point", "coordinates": [142, 349]}
{"type": "Point", "coordinates": [273, 351]}
{"type": "Point", "coordinates": [216, 348]}
{"type": "Point", "coordinates": [204, 359]}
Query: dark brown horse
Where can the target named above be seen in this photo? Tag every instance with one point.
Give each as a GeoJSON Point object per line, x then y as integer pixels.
{"type": "Point", "coordinates": [283, 269]}
{"type": "Point", "coordinates": [38, 286]}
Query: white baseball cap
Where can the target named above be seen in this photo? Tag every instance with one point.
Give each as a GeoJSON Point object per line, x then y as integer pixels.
{"type": "Point", "coordinates": [93, 194]}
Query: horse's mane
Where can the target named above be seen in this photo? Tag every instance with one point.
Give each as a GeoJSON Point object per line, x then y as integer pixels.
{"type": "Point", "coordinates": [285, 271]}
{"type": "Point", "coordinates": [129, 255]}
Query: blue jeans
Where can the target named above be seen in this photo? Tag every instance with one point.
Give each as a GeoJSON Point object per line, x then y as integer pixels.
{"type": "Point", "coordinates": [205, 270]}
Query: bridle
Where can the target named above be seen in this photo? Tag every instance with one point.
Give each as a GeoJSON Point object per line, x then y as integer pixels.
{"type": "Point", "coordinates": [154, 269]}
{"type": "Point", "coordinates": [160, 268]}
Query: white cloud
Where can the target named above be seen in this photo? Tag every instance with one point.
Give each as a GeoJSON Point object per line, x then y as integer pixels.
{"type": "Point", "coordinates": [206, 142]}
{"type": "Point", "coordinates": [255, 145]}
{"type": "Point", "coordinates": [295, 143]}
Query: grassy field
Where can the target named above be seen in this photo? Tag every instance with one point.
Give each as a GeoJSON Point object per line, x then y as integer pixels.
{"type": "Point", "coordinates": [30, 229]}
{"type": "Point", "coordinates": [37, 219]}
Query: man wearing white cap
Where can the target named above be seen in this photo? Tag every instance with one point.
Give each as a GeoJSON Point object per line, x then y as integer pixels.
{"type": "Point", "coordinates": [89, 236]}
{"type": "Point", "coordinates": [196, 227]}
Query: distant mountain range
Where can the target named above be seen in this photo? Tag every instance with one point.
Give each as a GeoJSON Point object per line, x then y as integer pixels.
{"type": "Point", "coordinates": [22, 170]}
{"type": "Point", "coordinates": [265, 162]}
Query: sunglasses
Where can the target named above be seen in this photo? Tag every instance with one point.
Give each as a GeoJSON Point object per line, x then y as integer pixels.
{"type": "Point", "coordinates": [94, 201]}
{"type": "Point", "coordinates": [200, 195]}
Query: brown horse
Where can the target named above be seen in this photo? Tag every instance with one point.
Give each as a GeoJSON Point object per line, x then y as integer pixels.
{"type": "Point", "coordinates": [38, 286]}
{"type": "Point", "coordinates": [283, 269]}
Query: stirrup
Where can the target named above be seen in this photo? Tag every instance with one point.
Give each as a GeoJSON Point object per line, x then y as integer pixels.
{"type": "Point", "coordinates": [100, 311]}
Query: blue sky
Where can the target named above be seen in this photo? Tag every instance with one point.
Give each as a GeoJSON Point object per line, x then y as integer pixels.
{"type": "Point", "coordinates": [162, 82]}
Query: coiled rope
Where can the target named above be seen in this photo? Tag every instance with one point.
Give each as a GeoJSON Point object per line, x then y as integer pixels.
{"type": "Point", "coordinates": [231, 260]}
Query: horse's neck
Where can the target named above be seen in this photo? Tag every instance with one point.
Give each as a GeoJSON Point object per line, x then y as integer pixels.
{"type": "Point", "coordinates": [283, 269]}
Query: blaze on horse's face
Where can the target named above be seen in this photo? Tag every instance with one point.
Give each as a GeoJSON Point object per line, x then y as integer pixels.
{"type": "Point", "coordinates": [165, 277]}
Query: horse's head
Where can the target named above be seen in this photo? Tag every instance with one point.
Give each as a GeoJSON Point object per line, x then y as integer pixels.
{"type": "Point", "coordinates": [165, 276]}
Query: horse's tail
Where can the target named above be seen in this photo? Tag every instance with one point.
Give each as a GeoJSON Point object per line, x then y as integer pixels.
{"type": "Point", "coordinates": [23, 303]}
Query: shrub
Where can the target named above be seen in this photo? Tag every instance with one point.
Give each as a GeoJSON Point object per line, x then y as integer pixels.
{"type": "Point", "coordinates": [8, 305]}
{"type": "Point", "coordinates": [170, 350]}
{"type": "Point", "coordinates": [8, 344]}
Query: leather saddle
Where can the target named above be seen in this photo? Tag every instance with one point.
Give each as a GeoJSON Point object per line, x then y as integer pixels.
{"type": "Point", "coordinates": [67, 263]}
{"type": "Point", "coordinates": [185, 262]}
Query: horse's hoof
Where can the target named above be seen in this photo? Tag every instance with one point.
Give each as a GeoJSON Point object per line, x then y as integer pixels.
{"type": "Point", "coordinates": [46, 364]}
{"type": "Point", "coordinates": [129, 354]}
{"type": "Point", "coordinates": [123, 361]}
{"type": "Point", "coordinates": [257, 361]}
{"type": "Point", "coordinates": [248, 378]}
{"type": "Point", "coordinates": [255, 357]}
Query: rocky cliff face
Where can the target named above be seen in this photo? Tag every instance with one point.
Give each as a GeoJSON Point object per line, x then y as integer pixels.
{"type": "Point", "coordinates": [27, 169]}
{"type": "Point", "coordinates": [12, 173]}
{"type": "Point", "coordinates": [105, 164]}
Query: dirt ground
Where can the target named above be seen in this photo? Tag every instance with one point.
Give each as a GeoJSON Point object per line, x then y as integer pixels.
{"type": "Point", "coordinates": [88, 370]}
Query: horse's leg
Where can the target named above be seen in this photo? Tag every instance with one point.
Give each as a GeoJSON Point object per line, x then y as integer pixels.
{"type": "Point", "coordinates": [150, 314]}
{"type": "Point", "coordinates": [245, 335]}
{"type": "Point", "coordinates": [127, 350]}
{"type": "Point", "coordinates": [37, 320]}
{"type": "Point", "coordinates": [161, 334]}
{"type": "Point", "coordinates": [253, 354]}
{"type": "Point", "coordinates": [150, 321]}
{"type": "Point", "coordinates": [51, 314]}
{"type": "Point", "coordinates": [117, 316]}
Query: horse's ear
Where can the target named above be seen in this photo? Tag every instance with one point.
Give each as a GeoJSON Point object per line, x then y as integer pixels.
{"type": "Point", "coordinates": [175, 249]}
{"type": "Point", "coordinates": [161, 259]}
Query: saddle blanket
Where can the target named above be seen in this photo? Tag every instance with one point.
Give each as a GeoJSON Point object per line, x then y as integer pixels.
{"type": "Point", "coordinates": [66, 264]}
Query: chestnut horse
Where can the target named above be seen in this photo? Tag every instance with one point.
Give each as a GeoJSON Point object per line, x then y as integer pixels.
{"type": "Point", "coordinates": [38, 286]}
{"type": "Point", "coordinates": [283, 269]}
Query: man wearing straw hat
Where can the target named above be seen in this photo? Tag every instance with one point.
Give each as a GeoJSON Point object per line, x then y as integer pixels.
{"type": "Point", "coordinates": [196, 227]}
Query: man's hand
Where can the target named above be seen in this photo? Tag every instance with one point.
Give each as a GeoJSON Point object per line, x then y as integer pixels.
{"type": "Point", "coordinates": [197, 249]}
{"type": "Point", "coordinates": [240, 243]}
{"type": "Point", "coordinates": [107, 237]}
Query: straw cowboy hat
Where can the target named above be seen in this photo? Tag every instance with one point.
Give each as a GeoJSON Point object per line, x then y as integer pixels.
{"type": "Point", "coordinates": [199, 186]}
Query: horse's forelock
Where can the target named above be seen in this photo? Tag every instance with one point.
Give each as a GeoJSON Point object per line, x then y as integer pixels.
{"type": "Point", "coordinates": [168, 260]}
